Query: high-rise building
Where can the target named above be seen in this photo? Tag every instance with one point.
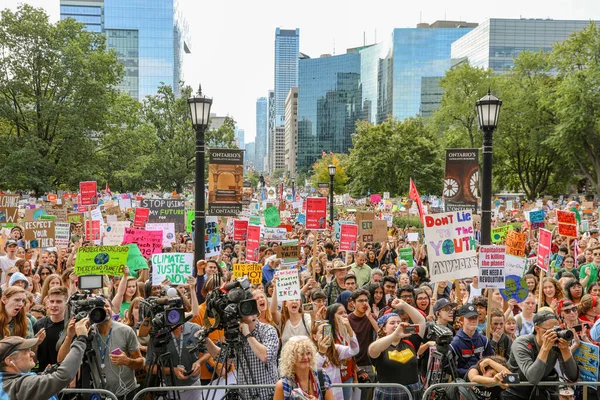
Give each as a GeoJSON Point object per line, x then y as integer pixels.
{"type": "Point", "coordinates": [239, 138]}
{"type": "Point", "coordinates": [329, 104]}
{"type": "Point", "coordinates": [249, 156]}
{"type": "Point", "coordinates": [270, 130]}
{"type": "Point", "coordinates": [260, 147]}
{"type": "Point", "coordinates": [149, 37]}
{"type": "Point", "coordinates": [287, 53]}
{"type": "Point", "coordinates": [278, 158]}
{"type": "Point", "coordinates": [291, 132]}
{"type": "Point", "coordinates": [496, 42]}
{"type": "Point", "coordinates": [431, 95]}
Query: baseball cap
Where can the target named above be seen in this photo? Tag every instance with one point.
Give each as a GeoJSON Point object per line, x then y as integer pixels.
{"type": "Point", "coordinates": [318, 294]}
{"type": "Point", "coordinates": [441, 303]}
{"type": "Point", "coordinates": [10, 344]}
{"type": "Point", "coordinates": [468, 311]}
{"type": "Point", "coordinates": [566, 391]}
{"type": "Point", "coordinates": [11, 242]}
{"type": "Point", "coordinates": [543, 316]}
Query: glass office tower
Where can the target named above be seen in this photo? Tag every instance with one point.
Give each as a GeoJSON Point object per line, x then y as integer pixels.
{"type": "Point", "coordinates": [149, 37]}
{"type": "Point", "coordinates": [260, 147]}
{"type": "Point", "coordinates": [287, 51]}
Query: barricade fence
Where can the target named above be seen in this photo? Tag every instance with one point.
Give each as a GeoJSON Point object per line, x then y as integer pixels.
{"type": "Point", "coordinates": [429, 391]}
{"type": "Point", "coordinates": [102, 392]}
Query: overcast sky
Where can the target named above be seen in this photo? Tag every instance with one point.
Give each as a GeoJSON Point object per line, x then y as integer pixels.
{"type": "Point", "coordinates": [233, 40]}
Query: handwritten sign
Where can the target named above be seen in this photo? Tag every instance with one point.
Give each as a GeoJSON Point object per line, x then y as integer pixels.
{"type": "Point", "coordinates": [516, 288]}
{"type": "Point", "coordinates": [348, 236]}
{"type": "Point", "coordinates": [9, 200]}
{"type": "Point", "coordinates": [175, 267]}
{"type": "Point", "coordinates": [115, 231]}
{"type": "Point", "coordinates": [212, 237]}
{"type": "Point", "coordinates": [379, 231]}
{"type": "Point", "coordinates": [451, 245]}
{"type": "Point", "coordinates": [253, 243]}
{"type": "Point", "coordinates": [273, 233]}
{"type": "Point", "coordinates": [75, 218]}
{"type": "Point", "coordinates": [491, 266]}
{"type": "Point", "coordinates": [271, 215]}
{"type": "Point", "coordinates": [316, 213]}
{"type": "Point", "coordinates": [499, 234]}
{"type": "Point", "coordinates": [567, 230]}
{"type": "Point", "coordinates": [252, 271]}
{"type": "Point", "coordinates": [544, 249]}
{"type": "Point", "coordinates": [288, 252]}
{"type": "Point", "coordinates": [514, 265]}
{"type": "Point", "coordinates": [537, 219]}
{"type": "Point", "coordinates": [168, 230]}
{"type": "Point", "coordinates": [406, 254]}
{"type": "Point", "coordinates": [149, 242]}
{"type": "Point", "coordinates": [566, 217]}
{"type": "Point", "coordinates": [101, 260]}
{"type": "Point", "coordinates": [40, 233]}
{"type": "Point", "coordinates": [515, 243]}
{"type": "Point", "coordinates": [62, 234]}
{"type": "Point", "coordinates": [587, 358]}
{"type": "Point", "coordinates": [288, 285]}
{"type": "Point", "coordinates": [141, 217]}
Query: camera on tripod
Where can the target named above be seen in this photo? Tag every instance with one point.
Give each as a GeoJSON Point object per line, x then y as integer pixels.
{"type": "Point", "coordinates": [84, 305]}
{"type": "Point", "coordinates": [165, 313]}
{"type": "Point", "coordinates": [230, 303]}
{"type": "Point", "coordinates": [441, 335]}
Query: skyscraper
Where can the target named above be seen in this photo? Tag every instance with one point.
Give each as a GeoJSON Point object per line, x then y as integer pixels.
{"type": "Point", "coordinates": [287, 52]}
{"type": "Point", "coordinates": [291, 132]}
{"type": "Point", "coordinates": [270, 130]}
{"type": "Point", "coordinates": [240, 137]}
{"type": "Point", "coordinates": [260, 149]}
{"type": "Point", "coordinates": [149, 39]}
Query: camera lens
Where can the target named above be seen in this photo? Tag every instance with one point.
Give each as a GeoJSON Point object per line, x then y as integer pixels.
{"type": "Point", "coordinates": [248, 307]}
{"type": "Point", "coordinates": [97, 315]}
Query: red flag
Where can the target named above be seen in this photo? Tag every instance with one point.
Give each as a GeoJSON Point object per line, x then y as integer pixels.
{"type": "Point", "coordinates": [107, 190]}
{"type": "Point", "coordinates": [414, 195]}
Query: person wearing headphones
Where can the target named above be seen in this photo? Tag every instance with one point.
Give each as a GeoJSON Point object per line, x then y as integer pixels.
{"type": "Point", "coordinates": [18, 360]}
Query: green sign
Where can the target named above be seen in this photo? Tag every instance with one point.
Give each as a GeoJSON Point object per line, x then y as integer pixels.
{"type": "Point", "coordinates": [499, 234]}
{"type": "Point", "coordinates": [101, 260]}
{"type": "Point", "coordinates": [406, 254]}
{"type": "Point", "coordinates": [271, 215]}
{"type": "Point", "coordinates": [47, 217]}
{"type": "Point", "coordinates": [254, 220]}
{"type": "Point", "coordinates": [189, 222]}
{"type": "Point", "coordinates": [135, 259]}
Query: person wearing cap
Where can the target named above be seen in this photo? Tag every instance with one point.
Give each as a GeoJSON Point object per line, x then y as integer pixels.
{"type": "Point", "coordinates": [337, 285]}
{"type": "Point", "coordinates": [443, 312]}
{"type": "Point", "coordinates": [18, 359]}
{"type": "Point", "coordinates": [535, 356]}
{"type": "Point", "coordinates": [566, 393]}
{"type": "Point", "coordinates": [9, 259]}
{"type": "Point", "coordinates": [469, 346]}
{"type": "Point", "coordinates": [394, 353]}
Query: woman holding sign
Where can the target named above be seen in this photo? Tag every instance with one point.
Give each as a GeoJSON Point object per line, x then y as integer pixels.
{"type": "Point", "coordinates": [291, 320]}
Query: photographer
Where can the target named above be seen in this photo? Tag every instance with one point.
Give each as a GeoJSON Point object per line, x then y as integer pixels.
{"type": "Point", "coordinates": [535, 356]}
{"type": "Point", "coordinates": [18, 360]}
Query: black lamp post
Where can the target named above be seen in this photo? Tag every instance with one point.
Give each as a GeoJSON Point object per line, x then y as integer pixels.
{"type": "Point", "coordinates": [488, 109]}
{"type": "Point", "coordinates": [200, 114]}
{"type": "Point", "coordinates": [332, 169]}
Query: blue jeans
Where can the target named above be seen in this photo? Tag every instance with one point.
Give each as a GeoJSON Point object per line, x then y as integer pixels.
{"type": "Point", "coordinates": [348, 390]}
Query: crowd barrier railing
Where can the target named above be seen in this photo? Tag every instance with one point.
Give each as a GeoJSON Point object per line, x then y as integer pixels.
{"type": "Point", "coordinates": [102, 392]}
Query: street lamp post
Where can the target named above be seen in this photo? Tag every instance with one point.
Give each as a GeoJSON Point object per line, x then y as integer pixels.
{"type": "Point", "coordinates": [488, 109]}
{"type": "Point", "coordinates": [332, 169]}
{"type": "Point", "coordinates": [200, 114]}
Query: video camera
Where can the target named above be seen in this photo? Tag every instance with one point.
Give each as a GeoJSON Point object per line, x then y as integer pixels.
{"type": "Point", "coordinates": [442, 336]}
{"type": "Point", "coordinates": [84, 305]}
{"type": "Point", "coordinates": [229, 304]}
{"type": "Point", "coordinates": [164, 313]}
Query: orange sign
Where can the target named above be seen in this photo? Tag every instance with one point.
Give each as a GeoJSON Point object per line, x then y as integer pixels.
{"type": "Point", "coordinates": [515, 243]}
{"type": "Point", "coordinates": [567, 230]}
{"type": "Point", "coordinates": [566, 217]}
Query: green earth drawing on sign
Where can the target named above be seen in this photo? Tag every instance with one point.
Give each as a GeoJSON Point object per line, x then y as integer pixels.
{"type": "Point", "coordinates": [101, 259]}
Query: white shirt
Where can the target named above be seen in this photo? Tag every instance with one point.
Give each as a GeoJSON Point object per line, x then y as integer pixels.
{"type": "Point", "coordinates": [6, 263]}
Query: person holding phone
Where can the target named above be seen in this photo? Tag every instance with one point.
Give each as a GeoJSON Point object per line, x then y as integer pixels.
{"type": "Point", "coordinates": [493, 373]}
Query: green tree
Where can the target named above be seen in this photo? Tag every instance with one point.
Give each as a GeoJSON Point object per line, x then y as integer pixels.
{"type": "Point", "coordinates": [56, 83]}
{"type": "Point", "coordinates": [321, 172]}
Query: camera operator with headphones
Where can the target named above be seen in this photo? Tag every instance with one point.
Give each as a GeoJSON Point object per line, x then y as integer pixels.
{"type": "Point", "coordinates": [18, 360]}
{"type": "Point", "coordinates": [534, 357]}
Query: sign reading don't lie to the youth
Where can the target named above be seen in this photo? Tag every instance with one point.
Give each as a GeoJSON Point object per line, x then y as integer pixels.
{"type": "Point", "coordinates": [166, 211]}
{"type": "Point", "coordinates": [175, 267]}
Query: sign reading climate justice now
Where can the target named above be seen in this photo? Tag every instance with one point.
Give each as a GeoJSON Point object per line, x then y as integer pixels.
{"type": "Point", "coordinates": [451, 246]}
{"type": "Point", "coordinates": [175, 267]}
{"type": "Point", "coordinates": [101, 260]}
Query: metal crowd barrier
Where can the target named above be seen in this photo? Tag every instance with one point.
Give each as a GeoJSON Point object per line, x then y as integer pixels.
{"type": "Point", "coordinates": [433, 387]}
{"type": "Point", "coordinates": [229, 387]}
{"type": "Point", "coordinates": [102, 392]}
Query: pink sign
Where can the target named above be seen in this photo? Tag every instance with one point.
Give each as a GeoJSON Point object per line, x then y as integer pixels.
{"type": "Point", "coordinates": [544, 249]}
{"type": "Point", "coordinates": [375, 198]}
{"type": "Point", "coordinates": [316, 213]}
{"type": "Point", "coordinates": [253, 243]}
{"type": "Point", "coordinates": [348, 234]}
{"type": "Point", "coordinates": [149, 242]}
{"type": "Point", "coordinates": [240, 230]}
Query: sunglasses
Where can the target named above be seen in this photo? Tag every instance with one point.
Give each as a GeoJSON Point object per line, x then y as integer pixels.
{"type": "Point", "coordinates": [44, 273]}
{"type": "Point", "coordinates": [569, 310]}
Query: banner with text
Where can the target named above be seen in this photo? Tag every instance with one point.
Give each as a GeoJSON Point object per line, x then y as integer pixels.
{"type": "Point", "coordinates": [101, 260]}
{"type": "Point", "coordinates": [175, 267]}
{"type": "Point", "coordinates": [288, 284]}
{"type": "Point", "coordinates": [164, 211]}
{"type": "Point", "coordinates": [253, 243]}
{"type": "Point", "coordinates": [252, 271]}
{"type": "Point", "coordinates": [461, 180]}
{"type": "Point", "coordinates": [491, 267]}
{"type": "Point", "coordinates": [225, 181]}
{"type": "Point", "coordinates": [212, 237]}
{"type": "Point", "coordinates": [348, 236]}
{"type": "Point", "coordinates": [316, 213]}
{"type": "Point", "coordinates": [149, 242]}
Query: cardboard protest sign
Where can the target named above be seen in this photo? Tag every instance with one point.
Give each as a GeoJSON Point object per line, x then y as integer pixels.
{"type": "Point", "coordinates": [34, 214]}
{"type": "Point", "coordinates": [537, 219]}
{"type": "Point", "coordinates": [587, 358]}
{"type": "Point", "coordinates": [39, 233]}
{"type": "Point", "coordinates": [316, 213]}
{"type": "Point", "coordinates": [9, 214]}
{"type": "Point", "coordinates": [225, 181]}
{"type": "Point", "coordinates": [252, 271]}
{"type": "Point", "coordinates": [115, 232]}
{"type": "Point", "coordinates": [212, 237]}
{"type": "Point", "coordinates": [92, 231]}
{"type": "Point", "coordinates": [288, 252]}
{"type": "Point", "coordinates": [451, 245]}
{"type": "Point", "coordinates": [149, 242]}
{"type": "Point", "coordinates": [101, 260]}
{"type": "Point", "coordinates": [114, 210]}
{"type": "Point", "coordinates": [566, 217]}
{"type": "Point", "coordinates": [364, 220]}
{"type": "Point", "coordinates": [141, 216]}
{"type": "Point", "coordinates": [163, 211]}
{"type": "Point", "coordinates": [59, 212]}
{"type": "Point", "coordinates": [62, 234]}
{"type": "Point", "coordinates": [348, 237]}
{"type": "Point", "coordinates": [567, 230]}
{"type": "Point", "coordinates": [544, 249]}
{"type": "Point", "coordinates": [175, 267]}
{"type": "Point", "coordinates": [406, 254]}
{"type": "Point", "coordinates": [499, 233]}
{"type": "Point", "coordinates": [491, 266]}
{"type": "Point", "coordinates": [240, 230]}
{"type": "Point", "coordinates": [380, 233]}
{"type": "Point", "coordinates": [271, 215]}
{"type": "Point", "coordinates": [9, 200]}
{"type": "Point", "coordinates": [288, 284]}
{"type": "Point", "coordinates": [253, 243]}
{"type": "Point", "coordinates": [88, 193]}
{"type": "Point", "coordinates": [168, 230]}
{"type": "Point", "coordinates": [514, 265]}
{"type": "Point", "coordinates": [515, 243]}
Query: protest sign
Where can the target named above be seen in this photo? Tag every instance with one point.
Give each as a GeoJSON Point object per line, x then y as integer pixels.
{"type": "Point", "coordinates": [412, 237]}
{"type": "Point", "coordinates": [499, 233]}
{"type": "Point", "coordinates": [271, 215]}
{"type": "Point", "coordinates": [491, 266]}
{"type": "Point", "coordinates": [587, 357]}
{"type": "Point", "coordinates": [566, 217]}
{"type": "Point", "coordinates": [34, 214]}
{"type": "Point", "coordinates": [585, 226]}
{"type": "Point", "coordinates": [336, 228]}
{"type": "Point", "coordinates": [364, 220]}
{"type": "Point", "coordinates": [288, 252]}
{"type": "Point", "coordinates": [514, 265]}
{"type": "Point", "coordinates": [96, 214]}
{"type": "Point", "coordinates": [163, 211]}
{"type": "Point", "coordinates": [544, 249]}
{"type": "Point", "coordinates": [115, 232]}
{"type": "Point", "coordinates": [537, 219]}
{"type": "Point", "coordinates": [380, 233]}
{"type": "Point", "coordinates": [212, 237]}
{"type": "Point", "coordinates": [348, 236]}
{"type": "Point", "coordinates": [190, 220]}
{"type": "Point", "coordinates": [75, 218]}
{"type": "Point", "coordinates": [59, 212]}
{"type": "Point", "coordinates": [253, 243]}
{"type": "Point", "coordinates": [254, 220]}
{"type": "Point", "coordinates": [252, 271]}
{"type": "Point", "coordinates": [516, 288]}
{"type": "Point", "coordinates": [125, 204]}
{"type": "Point", "coordinates": [288, 284]}
{"type": "Point", "coordinates": [175, 267]}
{"type": "Point", "coordinates": [225, 181]}
{"type": "Point", "coordinates": [62, 234]}
{"type": "Point", "coordinates": [114, 210]}
{"type": "Point", "coordinates": [92, 231]}
{"type": "Point", "coordinates": [273, 233]}
{"type": "Point", "coordinates": [240, 229]}
{"type": "Point", "coordinates": [149, 242]}
{"type": "Point", "coordinates": [101, 260]}
{"type": "Point", "coordinates": [141, 217]}
{"type": "Point", "coordinates": [316, 213]}
{"type": "Point", "coordinates": [515, 243]}
{"type": "Point", "coordinates": [39, 233]}
{"type": "Point", "coordinates": [301, 219]}
{"type": "Point", "coordinates": [9, 214]}
{"type": "Point", "coordinates": [567, 230]}
{"type": "Point", "coordinates": [168, 230]}
{"type": "Point", "coordinates": [375, 198]}
{"type": "Point", "coordinates": [9, 200]}
{"type": "Point", "coordinates": [451, 245]}
{"type": "Point", "coordinates": [388, 218]}
{"type": "Point", "coordinates": [406, 254]}
{"type": "Point", "coordinates": [88, 193]}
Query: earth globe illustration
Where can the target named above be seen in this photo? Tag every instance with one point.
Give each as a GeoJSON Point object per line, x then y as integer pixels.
{"type": "Point", "coordinates": [101, 259]}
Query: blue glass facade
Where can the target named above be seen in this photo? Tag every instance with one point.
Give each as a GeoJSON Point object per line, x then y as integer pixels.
{"type": "Point", "coordinates": [287, 52]}
{"type": "Point", "coordinates": [329, 104]}
{"type": "Point", "coordinates": [149, 37]}
{"type": "Point", "coordinates": [260, 147]}
{"type": "Point", "coordinates": [496, 42]}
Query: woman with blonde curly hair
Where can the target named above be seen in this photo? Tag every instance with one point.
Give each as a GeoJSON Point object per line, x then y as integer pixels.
{"type": "Point", "coordinates": [298, 370]}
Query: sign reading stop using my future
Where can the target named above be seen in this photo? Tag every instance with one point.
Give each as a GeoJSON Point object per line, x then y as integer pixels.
{"type": "Point", "coordinates": [176, 267]}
